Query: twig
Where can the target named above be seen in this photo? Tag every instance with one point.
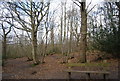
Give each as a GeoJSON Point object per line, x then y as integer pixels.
{"type": "Point", "coordinates": [91, 8]}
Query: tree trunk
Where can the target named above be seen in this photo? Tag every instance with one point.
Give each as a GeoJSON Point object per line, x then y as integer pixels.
{"type": "Point", "coordinates": [46, 39]}
{"type": "Point", "coordinates": [4, 47]}
{"type": "Point", "coordinates": [119, 19]}
{"type": "Point", "coordinates": [61, 30]}
{"type": "Point", "coordinates": [77, 41]}
{"type": "Point", "coordinates": [52, 38]}
{"type": "Point", "coordinates": [64, 23]}
{"type": "Point", "coordinates": [34, 47]}
{"type": "Point", "coordinates": [83, 40]}
{"type": "Point", "coordinates": [45, 50]}
{"type": "Point", "coordinates": [71, 29]}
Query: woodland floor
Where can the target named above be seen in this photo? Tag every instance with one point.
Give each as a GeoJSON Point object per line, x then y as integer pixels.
{"type": "Point", "coordinates": [20, 68]}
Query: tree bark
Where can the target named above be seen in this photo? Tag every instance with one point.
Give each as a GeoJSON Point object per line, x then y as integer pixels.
{"type": "Point", "coordinates": [52, 38]}
{"type": "Point", "coordinates": [61, 30]}
{"type": "Point", "coordinates": [34, 47]}
{"type": "Point", "coordinates": [4, 47]}
{"type": "Point", "coordinates": [83, 40]}
{"type": "Point", "coordinates": [71, 35]}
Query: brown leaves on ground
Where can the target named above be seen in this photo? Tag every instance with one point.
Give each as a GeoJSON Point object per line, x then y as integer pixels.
{"type": "Point", "coordinates": [20, 68]}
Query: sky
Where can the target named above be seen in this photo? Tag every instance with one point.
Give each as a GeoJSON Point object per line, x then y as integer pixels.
{"type": "Point", "coordinates": [57, 2]}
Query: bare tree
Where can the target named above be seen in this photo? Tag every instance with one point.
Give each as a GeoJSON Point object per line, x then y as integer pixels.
{"type": "Point", "coordinates": [61, 28]}
{"type": "Point", "coordinates": [29, 15]}
{"type": "Point", "coordinates": [65, 18]}
{"type": "Point", "coordinates": [6, 31]}
{"type": "Point", "coordinates": [52, 34]}
{"type": "Point", "coordinates": [83, 30]}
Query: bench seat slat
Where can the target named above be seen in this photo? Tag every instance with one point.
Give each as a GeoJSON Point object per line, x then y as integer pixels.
{"type": "Point", "coordinates": [98, 72]}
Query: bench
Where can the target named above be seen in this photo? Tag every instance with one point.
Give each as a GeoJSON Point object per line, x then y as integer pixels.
{"type": "Point", "coordinates": [87, 72]}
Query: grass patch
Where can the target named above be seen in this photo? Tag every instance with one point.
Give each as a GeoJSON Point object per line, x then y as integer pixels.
{"type": "Point", "coordinates": [33, 65]}
{"type": "Point", "coordinates": [88, 64]}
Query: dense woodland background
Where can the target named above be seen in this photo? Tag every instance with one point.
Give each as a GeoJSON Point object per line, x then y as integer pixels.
{"type": "Point", "coordinates": [36, 29]}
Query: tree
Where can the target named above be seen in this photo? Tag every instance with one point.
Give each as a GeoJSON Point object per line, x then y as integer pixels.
{"type": "Point", "coordinates": [6, 29]}
{"type": "Point", "coordinates": [34, 12]}
{"type": "Point", "coordinates": [83, 30]}
{"type": "Point", "coordinates": [106, 37]}
{"type": "Point", "coordinates": [61, 29]}
{"type": "Point", "coordinates": [52, 34]}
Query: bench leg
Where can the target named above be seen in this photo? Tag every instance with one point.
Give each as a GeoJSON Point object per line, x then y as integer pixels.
{"type": "Point", "coordinates": [105, 75]}
{"type": "Point", "coordinates": [88, 76]}
{"type": "Point", "coordinates": [69, 75]}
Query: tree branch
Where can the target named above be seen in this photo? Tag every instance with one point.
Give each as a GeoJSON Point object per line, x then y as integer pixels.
{"type": "Point", "coordinates": [76, 3]}
{"type": "Point", "coordinates": [89, 4]}
{"type": "Point", "coordinates": [1, 34]}
{"type": "Point", "coordinates": [91, 8]}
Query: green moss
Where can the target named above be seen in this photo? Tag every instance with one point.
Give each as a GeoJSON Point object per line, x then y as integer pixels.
{"type": "Point", "coordinates": [88, 64]}
{"type": "Point", "coordinates": [33, 65]}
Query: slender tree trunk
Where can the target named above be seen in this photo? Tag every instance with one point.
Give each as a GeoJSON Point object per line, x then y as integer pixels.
{"type": "Point", "coordinates": [46, 39]}
{"type": "Point", "coordinates": [61, 40]}
{"type": "Point", "coordinates": [52, 38]}
{"type": "Point", "coordinates": [83, 40]}
{"type": "Point", "coordinates": [61, 30]}
{"type": "Point", "coordinates": [4, 47]}
{"type": "Point", "coordinates": [71, 29]}
{"type": "Point", "coordinates": [34, 47]}
{"type": "Point", "coordinates": [34, 35]}
{"type": "Point", "coordinates": [77, 41]}
{"type": "Point", "coordinates": [64, 22]}
{"type": "Point", "coordinates": [45, 50]}
{"type": "Point", "coordinates": [68, 38]}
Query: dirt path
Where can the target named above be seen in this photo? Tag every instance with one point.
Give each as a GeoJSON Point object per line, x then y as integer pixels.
{"type": "Point", "coordinates": [20, 68]}
{"type": "Point", "coordinates": [52, 69]}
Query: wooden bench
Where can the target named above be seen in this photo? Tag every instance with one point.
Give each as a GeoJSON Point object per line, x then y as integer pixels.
{"type": "Point", "coordinates": [87, 72]}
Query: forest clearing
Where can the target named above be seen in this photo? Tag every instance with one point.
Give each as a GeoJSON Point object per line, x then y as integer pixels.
{"type": "Point", "coordinates": [20, 68]}
{"type": "Point", "coordinates": [55, 39]}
